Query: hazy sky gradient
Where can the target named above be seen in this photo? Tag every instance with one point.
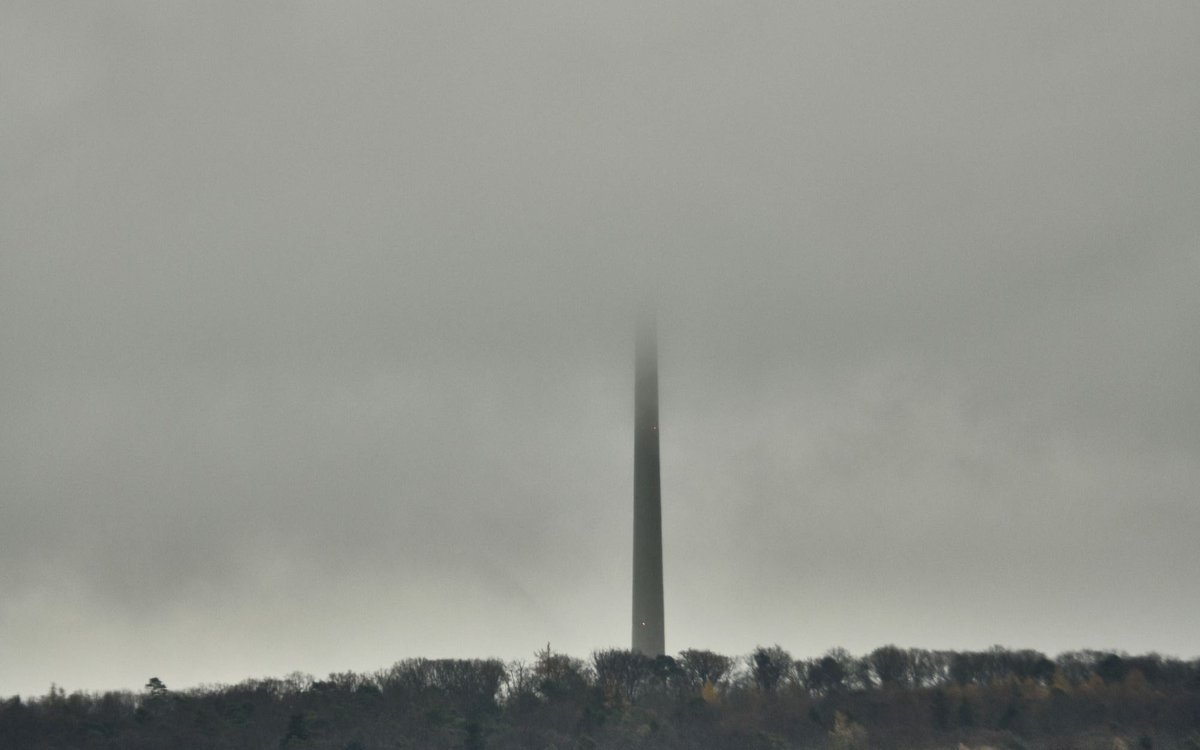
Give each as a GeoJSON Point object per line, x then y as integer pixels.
{"type": "Point", "coordinates": [316, 344]}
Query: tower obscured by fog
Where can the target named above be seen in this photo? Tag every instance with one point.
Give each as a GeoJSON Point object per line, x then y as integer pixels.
{"type": "Point", "coordinates": [647, 503]}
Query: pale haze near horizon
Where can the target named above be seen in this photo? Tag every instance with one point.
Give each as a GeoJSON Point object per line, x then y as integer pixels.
{"type": "Point", "coordinates": [317, 348]}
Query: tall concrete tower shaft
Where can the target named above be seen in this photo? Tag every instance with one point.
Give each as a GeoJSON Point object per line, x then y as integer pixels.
{"type": "Point", "coordinates": [647, 497]}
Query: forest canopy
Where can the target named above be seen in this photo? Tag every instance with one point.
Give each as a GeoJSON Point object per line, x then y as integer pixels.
{"type": "Point", "coordinates": [891, 697]}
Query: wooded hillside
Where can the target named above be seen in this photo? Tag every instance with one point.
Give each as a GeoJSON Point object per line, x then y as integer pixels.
{"type": "Point", "coordinates": [890, 698]}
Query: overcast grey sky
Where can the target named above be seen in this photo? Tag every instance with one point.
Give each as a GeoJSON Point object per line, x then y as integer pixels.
{"type": "Point", "coordinates": [316, 345]}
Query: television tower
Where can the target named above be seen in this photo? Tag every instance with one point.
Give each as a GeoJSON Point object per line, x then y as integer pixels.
{"type": "Point", "coordinates": [647, 495]}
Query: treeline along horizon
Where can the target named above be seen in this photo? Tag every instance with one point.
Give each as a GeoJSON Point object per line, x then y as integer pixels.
{"type": "Point", "coordinates": [890, 698]}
